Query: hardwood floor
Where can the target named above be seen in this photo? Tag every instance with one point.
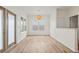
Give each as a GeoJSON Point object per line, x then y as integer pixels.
{"type": "Point", "coordinates": [37, 44]}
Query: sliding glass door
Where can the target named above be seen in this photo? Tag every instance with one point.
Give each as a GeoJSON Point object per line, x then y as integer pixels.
{"type": "Point", "coordinates": [11, 29]}
{"type": "Point", "coordinates": [1, 29]}
{"type": "Point", "coordinates": [7, 29]}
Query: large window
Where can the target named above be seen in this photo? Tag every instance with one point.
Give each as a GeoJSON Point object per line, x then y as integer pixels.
{"type": "Point", "coordinates": [38, 25]}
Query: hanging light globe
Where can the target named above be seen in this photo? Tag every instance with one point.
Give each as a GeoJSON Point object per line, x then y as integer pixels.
{"type": "Point", "coordinates": [38, 17]}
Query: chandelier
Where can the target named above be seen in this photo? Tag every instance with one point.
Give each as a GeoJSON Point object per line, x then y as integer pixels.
{"type": "Point", "coordinates": [38, 17]}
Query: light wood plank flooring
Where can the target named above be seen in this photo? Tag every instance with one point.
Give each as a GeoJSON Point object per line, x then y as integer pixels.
{"type": "Point", "coordinates": [37, 44]}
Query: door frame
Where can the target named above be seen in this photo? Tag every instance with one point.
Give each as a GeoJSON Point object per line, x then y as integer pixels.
{"type": "Point", "coordinates": [14, 27]}
{"type": "Point", "coordinates": [1, 8]}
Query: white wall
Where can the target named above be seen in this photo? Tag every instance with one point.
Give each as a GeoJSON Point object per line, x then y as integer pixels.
{"type": "Point", "coordinates": [65, 36]}
{"type": "Point", "coordinates": [19, 35]}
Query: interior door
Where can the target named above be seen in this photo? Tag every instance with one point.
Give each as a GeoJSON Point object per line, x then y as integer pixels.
{"type": "Point", "coordinates": [1, 29]}
{"type": "Point", "coordinates": [11, 29]}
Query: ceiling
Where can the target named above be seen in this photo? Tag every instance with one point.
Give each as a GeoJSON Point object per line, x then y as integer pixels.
{"type": "Point", "coordinates": [38, 10]}
{"type": "Point", "coordinates": [35, 10]}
